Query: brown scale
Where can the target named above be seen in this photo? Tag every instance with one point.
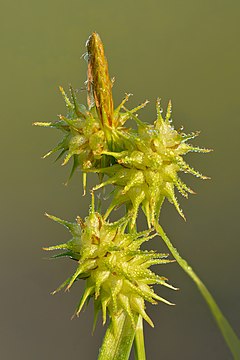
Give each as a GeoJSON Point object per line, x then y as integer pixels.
{"type": "Point", "coordinates": [99, 83]}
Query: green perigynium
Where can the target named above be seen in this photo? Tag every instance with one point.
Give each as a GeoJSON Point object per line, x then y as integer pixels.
{"type": "Point", "coordinates": [143, 166]}
{"type": "Point", "coordinates": [115, 270]}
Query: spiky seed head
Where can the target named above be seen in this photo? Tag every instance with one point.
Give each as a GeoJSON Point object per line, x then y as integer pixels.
{"type": "Point", "coordinates": [116, 271]}
{"type": "Point", "coordinates": [149, 173]}
{"type": "Point", "coordinates": [89, 131]}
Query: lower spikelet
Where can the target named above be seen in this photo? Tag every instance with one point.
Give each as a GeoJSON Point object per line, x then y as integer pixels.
{"type": "Point", "coordinates": [115, 270]}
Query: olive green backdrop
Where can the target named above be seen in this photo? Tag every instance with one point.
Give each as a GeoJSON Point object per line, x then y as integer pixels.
{"type": "Point", "coordinates": [184, 50]}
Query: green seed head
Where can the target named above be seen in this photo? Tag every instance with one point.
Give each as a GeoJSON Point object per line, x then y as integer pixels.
{"type": "Point", "coordinates": [149, 173]}
{"type": "Point", "coordinates": [91, 130]}
{"type": "Point", "coordinates": [115, 270]}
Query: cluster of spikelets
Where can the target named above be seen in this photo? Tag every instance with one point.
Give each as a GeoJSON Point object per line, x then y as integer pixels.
{"type": "Point", "coordinates": [90, 130]}
{"type": "Point", "coordinates": [143, 166]}
{"type": "Point", "coordinates": [115, 269]}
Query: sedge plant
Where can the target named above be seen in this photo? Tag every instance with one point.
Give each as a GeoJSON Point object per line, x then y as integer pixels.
{"type": "Point", "coordinates": [141, 167]}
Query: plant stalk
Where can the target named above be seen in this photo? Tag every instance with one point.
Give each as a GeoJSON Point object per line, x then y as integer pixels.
{"type": "Point", "coordinates": [227, 332]}
{"type": "Point", "coordinates": [118, 339]}
{"type": "Point", "coordinates": [139, 347]}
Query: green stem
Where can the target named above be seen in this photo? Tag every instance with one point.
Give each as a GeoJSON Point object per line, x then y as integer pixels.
{"type": "Point", "coordinates": [139, 347]}
{"type": "Point", "coordinates": [228, 333]}
{"type": "Point", "coordinates": [118, 339]}
{"type": "Point", "coordinates": [139, 340]}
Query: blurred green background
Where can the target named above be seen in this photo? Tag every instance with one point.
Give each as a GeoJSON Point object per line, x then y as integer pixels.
{"type": "Point", "coordinates": [184, 50]}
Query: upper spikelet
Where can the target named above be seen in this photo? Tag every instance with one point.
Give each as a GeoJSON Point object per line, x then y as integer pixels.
{"type": "Point", "coordinates": [90, 130]}
{"type": "Point", "coordinates": [149, 173]}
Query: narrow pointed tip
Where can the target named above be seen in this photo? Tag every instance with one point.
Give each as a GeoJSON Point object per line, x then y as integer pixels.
{"type": "Point", "coordinates": [147, 318]}
{"type": "Point", "coordinates": [66, 160]}
{"type": "Point", "coordinates": [94, 33]}
{"type": "Point", "coordinates": [73, 316]}
{"type": "Point", "coordinates": [93, 38]}
{"type": "Point", "coordinates": [46, 155]}
{"type": "Point", "coordinates": [208, 150]}
{"type": "Point", "coordinates": [204, 177]}
{"type": "Point", "coordinates": [52, 217]}
{"type": "Point", "coordinates": [44, 124]}
{"type": "Point", "coordinates": [167, 302]}
{"type": "Point", "coordinates": [179, 210]}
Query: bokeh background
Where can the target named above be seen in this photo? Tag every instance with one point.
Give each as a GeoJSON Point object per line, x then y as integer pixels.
{"type": "Point", "coordinates": [184, 50]}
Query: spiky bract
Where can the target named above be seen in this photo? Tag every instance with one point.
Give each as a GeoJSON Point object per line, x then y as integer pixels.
{"type": "Point", "coordinates": [115, 269]}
